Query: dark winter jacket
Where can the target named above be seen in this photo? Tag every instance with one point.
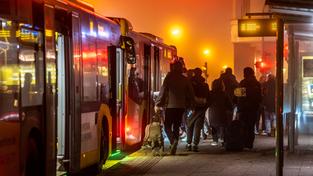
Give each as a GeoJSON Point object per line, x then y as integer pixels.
{"type": "Point", "coordinates": [230, 84]}
{"type": "Point", "coordinates": [176, 92]}
{"type": "Point", "coordinates": [269, 95]}
{"type": "Point", "coordinates": [201, 90]}
{"type": "Point", "coordinates": [252, 98]}
{"type": "Point", "coordinates": [219, 105]}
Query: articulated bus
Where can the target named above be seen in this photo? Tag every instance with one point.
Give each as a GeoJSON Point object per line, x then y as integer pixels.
{"type": "Point", "coordinates": [66, 100]}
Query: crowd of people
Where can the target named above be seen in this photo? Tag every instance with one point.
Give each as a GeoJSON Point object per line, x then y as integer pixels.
{"type": "Point", "coordinates": [186, 97]}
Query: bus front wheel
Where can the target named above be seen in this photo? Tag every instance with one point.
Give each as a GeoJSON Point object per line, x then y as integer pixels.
{"type": "Point", "coordinates": [104, 143]}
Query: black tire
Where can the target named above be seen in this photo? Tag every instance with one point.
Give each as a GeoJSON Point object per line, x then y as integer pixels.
{"type": "Point", "coordinates": [104, 144]}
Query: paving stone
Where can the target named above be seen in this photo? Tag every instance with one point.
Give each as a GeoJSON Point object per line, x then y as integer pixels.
{"type": "Point", "coordinates": [212, 160]}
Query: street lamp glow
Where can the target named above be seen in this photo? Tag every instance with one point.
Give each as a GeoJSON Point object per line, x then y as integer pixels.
{"type": "Point", "coordinates": [206, 52]}
{"type": "Point", "coordinates": [176, 32]}
{"type": "Point", "coordinates": [225, 66]}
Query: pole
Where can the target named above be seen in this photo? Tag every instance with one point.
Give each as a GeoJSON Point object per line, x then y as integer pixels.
{"type": "Point", "coordinates": [292, 88]}
{"type": "Point", "coordinates": [206, 71]}
{"type": "Point", "coordinates": [279, 97]}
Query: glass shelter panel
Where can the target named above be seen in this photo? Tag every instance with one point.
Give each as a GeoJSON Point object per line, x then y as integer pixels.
{"type": "Point", "coordinates": [299, 92]}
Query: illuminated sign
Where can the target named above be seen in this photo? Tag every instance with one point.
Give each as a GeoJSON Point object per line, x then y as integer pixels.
{"type": "Point", "coordinates": [4, 33]}
{"type": "Point", "coordinates": [91, 28]}
{"type": "Point", "coordinates": [27, 35]}
{"type": "Point", "coordinates": [292, 3]}
{"type": "Point", "coordinates": [49, 33]}
{"type": "Point", "coordinates": [257, 27]}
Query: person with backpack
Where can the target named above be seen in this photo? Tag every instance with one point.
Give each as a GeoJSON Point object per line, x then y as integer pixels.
{"type": "Point", "coordinates": [195, 121]}
{"type": "Point", "coordinates": [248, 105]}
{"type": "Point", "coordinates": [176, 95]}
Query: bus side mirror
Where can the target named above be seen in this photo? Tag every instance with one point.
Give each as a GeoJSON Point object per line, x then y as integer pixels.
{"type": "Point", "coordinates": [128, 45]}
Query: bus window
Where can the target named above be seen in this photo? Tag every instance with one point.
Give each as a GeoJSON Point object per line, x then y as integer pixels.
{"type": "Point", "coordinates": [102, 55]}
{"type": "Point", "coordinates": [9, 96]}
{"type": "Point", "coordinates": [31, 70]}
{"type": "Point", "coordinates": [128, 44]}
{"type": "Point", "coordinates": [9, 75]}
{"type": "Point", "coordinates": [89, 69]}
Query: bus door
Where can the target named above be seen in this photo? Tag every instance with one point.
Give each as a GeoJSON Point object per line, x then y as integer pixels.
{"type": "Point", "coordinates": [147, 87]}
{"type": "Point", "coordinates": [67, 94]}
{"type": "Point", "coordinates": [156, 65]}
{"type": "Point", "coordinates": [117, 99]}
{"type": "Point", "coordinates": [51, 83]}
{"type": "Point", "coordinates": [62, 107]}
{"type": "Point", "coordinates": [32, 90]}
{"type": "Point", "coordinates": [154, 78]}
{"type": "Point", "coordinates": [75, 93]}
{"type": "Point", "coordinates": [61, 103]}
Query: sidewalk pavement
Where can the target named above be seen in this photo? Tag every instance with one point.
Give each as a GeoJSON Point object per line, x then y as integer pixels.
{"type": "Point", "coordinates": [214, 160]}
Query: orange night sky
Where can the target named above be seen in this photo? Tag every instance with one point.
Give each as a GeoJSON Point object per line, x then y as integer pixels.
{"type": "Point", "coordinates": [203, 23]}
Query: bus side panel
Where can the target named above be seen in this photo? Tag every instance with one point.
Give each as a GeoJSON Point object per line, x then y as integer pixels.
{"type": "Point", "coordinates": [89, 99]}
{"type": "Point", "coordinates": [89, 139]}
{"type": "Point", "coordinates": [9, 103]}
{"type": "Point", "coordinates": [9, 147]}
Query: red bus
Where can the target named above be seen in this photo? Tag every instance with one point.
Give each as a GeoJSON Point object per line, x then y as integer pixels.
{"type": "Point", "coordinates": [64, 94]}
